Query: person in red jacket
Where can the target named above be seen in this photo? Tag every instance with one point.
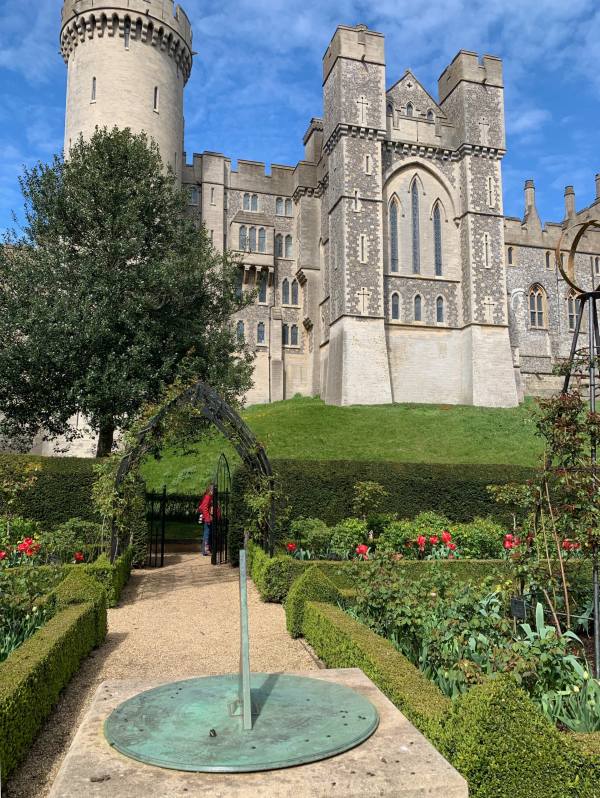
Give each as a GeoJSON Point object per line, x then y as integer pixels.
{"type": "Point", "coordinates": [205, 509]}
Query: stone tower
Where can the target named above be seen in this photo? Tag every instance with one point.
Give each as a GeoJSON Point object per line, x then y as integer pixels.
{"type": "Point", "coordinates": [128, 62]}
{"type": "Point", "coordinates": [472, 96]}
{"type": "Point", "coordinates": [354, 127]}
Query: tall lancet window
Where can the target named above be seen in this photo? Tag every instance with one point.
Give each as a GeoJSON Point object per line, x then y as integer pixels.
{"type": "Point", "coordinates": [394, 254]}
{"type": "Point", "coordinates": [416, 244]}
{"type": "Point", "coordinates": [437, 240]}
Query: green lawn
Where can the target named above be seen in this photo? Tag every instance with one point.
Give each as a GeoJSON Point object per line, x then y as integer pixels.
{"type": "Point", "coordinates": [308, 429]}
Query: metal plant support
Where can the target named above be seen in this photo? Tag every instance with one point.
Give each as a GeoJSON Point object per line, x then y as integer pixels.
{"type": "Point", "coordinates": [587, 303]}
{"type": "Point", "coordinates": [215, 410]}
{"type": "Point", "coordinates": [221, 503]}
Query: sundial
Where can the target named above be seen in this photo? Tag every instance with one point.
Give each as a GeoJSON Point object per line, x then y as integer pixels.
{"type": "Point", "coordinates": [241, 722]}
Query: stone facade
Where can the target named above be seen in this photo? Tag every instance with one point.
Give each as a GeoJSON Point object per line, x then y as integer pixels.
{"type": "Point", "coordinates": [386, 268]}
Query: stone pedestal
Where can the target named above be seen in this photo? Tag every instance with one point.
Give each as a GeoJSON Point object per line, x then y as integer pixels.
{"type": "Point", "coordinates": [396, 761]}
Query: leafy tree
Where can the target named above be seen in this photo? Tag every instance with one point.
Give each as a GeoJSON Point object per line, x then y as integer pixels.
{"type": "Point", "coordinates": [109, 293]}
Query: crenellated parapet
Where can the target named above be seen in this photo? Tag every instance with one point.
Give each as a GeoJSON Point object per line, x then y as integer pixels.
{"type": "Point", "coordinates": [155, 23]}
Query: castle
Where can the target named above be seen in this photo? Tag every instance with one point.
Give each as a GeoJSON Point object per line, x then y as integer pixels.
{"type": "Point", "coordinates": [385, 268]}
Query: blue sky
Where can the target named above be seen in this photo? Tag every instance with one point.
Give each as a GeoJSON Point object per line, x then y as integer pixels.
{"type": "Point", "coordinates": [257, 80]}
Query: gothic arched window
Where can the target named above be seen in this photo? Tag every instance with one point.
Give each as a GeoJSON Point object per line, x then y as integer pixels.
{"type": "Point", "coordinates": [246, 204]}
{"type": "Point", "coordinates": [418, 305]}
{"type": "Point", "coordinates": [262, 287]}
{"type": "Point", "coordinates": [262, 240]}
{"type": "Point", "coordinates": [127, 32]}
{"type": "Point", "coordinates": [285, 335]}
{"type": "Point", "coordinates": [240, 333]}
{"type": "Point", "coordinates": [288, 246]}
{"type": "Point", "coordinates": [439, 310]}
{"type": "Point", "coordinates": [295, 292]}
{"type": "Point", "coordinates": [537, 310]}
{"type": "Point", "coordinates": [430, 116]}
{"type": "Point", "coordinates": [409, 109]}
{"type": "Point", "coordinates": [288, 207]}
{"type": "Point", "coordinates": [548, 260]}
{"type": "Point", "coordinates": [279, 206]}
{"type": "Point", "coordinates": [416, 243]}
{"type": "Point", "coordinates": [395, 306]}
{"type": "Point", "coordinates": [285, 292]}
{"type": "Point", "coordinates": [254, 202]}
{"type": "Point", "coordinates": [294, 336]}
{"type": "Point", "coordinates": [243, 237]}
{"type": "Point", "coordinates": [437, 239]}
{"type": "Point", "coordinates": [573, 309]}
{"type": "Point", "coordinates": [260, 333]}
{"type": "Point", "coordinates": [279, 246]}
{"type": "Point", "coordinates": [394, 249]}
{"type": "Point", "coordinates": [253, 239]}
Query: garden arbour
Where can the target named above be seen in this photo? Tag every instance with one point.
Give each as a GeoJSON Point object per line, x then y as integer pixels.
{"type": "Point", "coordinates": [203, 402]}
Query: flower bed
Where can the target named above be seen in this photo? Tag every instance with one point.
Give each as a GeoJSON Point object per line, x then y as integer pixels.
{"type": "Point", "coordinates": [493, 734]}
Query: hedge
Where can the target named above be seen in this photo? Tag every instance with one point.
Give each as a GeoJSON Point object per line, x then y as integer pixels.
{"type": "Point", "coordinates": [63, 490]}
{"type": "Point", "coordinates": [504, 746]}
{"type": "Point", "coordinates": [112, 576]}
{"type": "Point", "coordinates": [313, 585]}
{"type": "Point", "coordinates": [342, 642]}
{"type": "Point", "coordinates": [325, 489]}
{"type": "Point", "coordinates": [32, 677]}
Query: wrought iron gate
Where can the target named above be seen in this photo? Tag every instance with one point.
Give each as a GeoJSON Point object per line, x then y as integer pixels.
{"type": "Point", "coordinates": [221, 504]}
{"type": "Point", "coordinates": [155, 514]}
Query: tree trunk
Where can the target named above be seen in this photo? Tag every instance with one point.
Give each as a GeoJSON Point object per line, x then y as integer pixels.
{"type": "Point", "coordinates": [105, 439]}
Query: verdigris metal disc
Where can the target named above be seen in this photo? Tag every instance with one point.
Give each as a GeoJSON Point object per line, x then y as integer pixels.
{"type": "Point", "coordinates": [188, 725]}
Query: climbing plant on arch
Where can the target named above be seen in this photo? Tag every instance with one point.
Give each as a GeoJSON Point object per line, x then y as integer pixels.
{"type": "Point", "coordinates": [201, 402]}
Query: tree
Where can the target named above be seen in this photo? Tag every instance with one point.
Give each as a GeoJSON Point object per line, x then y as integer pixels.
{"type": "Point", "coordinates": [109, 293]}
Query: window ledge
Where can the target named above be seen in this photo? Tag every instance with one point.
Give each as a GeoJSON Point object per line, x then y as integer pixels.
{"type": "Point", "coordinates": [289, 305]}
{"type": "Point", "coordinates": [291, 346]}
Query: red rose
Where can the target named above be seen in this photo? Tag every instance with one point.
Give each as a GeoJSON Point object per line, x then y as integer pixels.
{"type": "Point", "coordinates": [566, 544]}
{"type": "Point", "coordinates": [446, 537]}
{"type": "Point", "coordinates": [434, 540]}
{"type": "Point", "coordinates": [3, 555]}
{"type": "Point", "coordinates": [291, 547]}
{"type": "Point", "coordinates": [79, 556]}
{"type": "Point", "coordinates": [452, 546]}
{"type": "Point", "coordinates": [421, 541]}
{"type": "Point", "coordinates": [362, 549]}
{"type": "Point", "coordinates": [508, 536]}
{"type": "Point", "coordinates": [507, 544]}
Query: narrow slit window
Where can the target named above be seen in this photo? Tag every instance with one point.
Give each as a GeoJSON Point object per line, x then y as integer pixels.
{"type": "Point", "coordinates": [437, 240]}
{"type": "Point", "coordinates": [395, 307]}
{"type": "Point", "coordinates": [94, 84]}
{"type": "Point", "coordinates": [548, 262]}
{"type": "Point", "coordinates": [367, 164]}
{"type": "Point", "coordinates": [288, 207]}
{"type": "Point", "coordinates": [262, 240]}
{"type": "Point", "coordinates": [439, 310]}
{"type": "Point", "coordinates": [573, 309]}
{"type": "Point", "coordinates": [156, 98]}
{"type": "Point", "coordinates": [246, 202]}
{"type": "Point", "coordinates": [363, 248]}
{"type": "Point", "coordinates": [285, 292]}
{"type": "Point", "coordinates": [394, 249]}
{"type": "Point", "coordinates": [127, 33]}
{"type": "Point", "coordinates": [260, 333]}
{"type": "Point", "coordinates": [355, 199]}
{"type": "Point", "coordinates": [262, 288]}
{"type": "Point", "coordinates": [510, 256]}
{"type": "Point", "coordinates": [212, 195]}
{"type": "Point", "coordinates": [294, 336]}
{"type": "Point", "coordinates": [253, 239]}
{"type": "Point", "coordinates": [490, 192]}
{"type": "Point", "coordinates": [240, 332]}
{"type": "Point", "coordinates": [285, 335]}
{"type": "Point", "coordinates": [416, 236]}
{"type": "Point", "coordinates": [418, 308]}
{"type": "Point", "coordinates": [288, 246]}
{"type": "Point", "coordinates": [486, 250]}
{"type": "Point", "coordinates": [295, 296]}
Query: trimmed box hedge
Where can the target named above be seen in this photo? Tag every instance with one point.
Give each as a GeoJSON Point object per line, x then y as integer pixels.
{"type": "Point", "coordinates": [112, 576]}
{"type": "Point", "coordinates": [63, 490]}
{"type": "Point", "coordinates": [33, 676]}
{"type": "Point", "coordinates": [313, 585]}
{"type": "Point", "coordinates": [325, 489]}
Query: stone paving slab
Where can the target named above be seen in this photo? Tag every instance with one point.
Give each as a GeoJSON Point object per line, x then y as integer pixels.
{"type": "Point", "coordinates": [396, 761]}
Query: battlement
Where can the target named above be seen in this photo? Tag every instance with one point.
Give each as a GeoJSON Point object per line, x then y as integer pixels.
{"type": "Point", "coordinates": [357, 43]}
{"type": "Point", "coordinates": [468, 67]}
{"type": "Point", "coordinates": [159, 23]}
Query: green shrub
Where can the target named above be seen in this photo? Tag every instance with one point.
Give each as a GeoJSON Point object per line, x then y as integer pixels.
{"type": "Point", "coordinates": [33, 676]}
{"type": "Point", "coordinates": [311, 534]}
{"type": "Point", "coordinates": [313, 585]}
{"type": "Point", "coordinates": [500, 741]}
{"type": "Point", "coordinates": [481, 539]}
{"type": "Point", "coordinates": [347, 535]}
{"type": "Point", "coordinates": [75, 535]}
{"type": "Point", "coordinates": [62, 490]}
{"type": "Point", "coordinates": [342, 642]}
{"type": "Point", "coordinates": [112, 576]}
{"type": "Point", "coordinates": [397, 534]}
{"type": "Point", "coordinates": [14, 530]}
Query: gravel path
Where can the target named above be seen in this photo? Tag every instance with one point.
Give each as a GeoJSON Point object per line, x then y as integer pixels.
{"type": "Point", "coordinates": [175, 622]}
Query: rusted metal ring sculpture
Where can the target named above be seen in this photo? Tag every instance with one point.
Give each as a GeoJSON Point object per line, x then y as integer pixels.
{"type": "Point", "coordinates": [568, 273]}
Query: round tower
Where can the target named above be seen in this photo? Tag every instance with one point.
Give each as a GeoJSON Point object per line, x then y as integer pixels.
{"type": "Point", "coordinates": [127, 63]}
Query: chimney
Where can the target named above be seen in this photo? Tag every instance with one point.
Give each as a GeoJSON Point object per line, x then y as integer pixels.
{"type": "Point", "coordinates": [569, 202]}
{"type": "Point", "coordinates": [598, 186]}
{"type": "Point", "coordinates": [531, 218]}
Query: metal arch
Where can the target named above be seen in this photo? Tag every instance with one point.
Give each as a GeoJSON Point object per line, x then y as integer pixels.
{"type": "Point", "coordinates": [215, 410]}
{"type": "Point", "coordinates": [221, 510]}
{"type": "Point", "coordinates": [568, 274]}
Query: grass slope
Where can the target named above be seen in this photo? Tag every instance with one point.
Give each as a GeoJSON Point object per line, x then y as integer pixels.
{"type": "Point", "coordinates": [308, 429]}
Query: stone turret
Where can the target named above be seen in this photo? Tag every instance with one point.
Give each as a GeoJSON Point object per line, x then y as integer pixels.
{"type": "Point", "coordinates": [128, 62]}
{"type": "Point", "coordinates": [532, 217]}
